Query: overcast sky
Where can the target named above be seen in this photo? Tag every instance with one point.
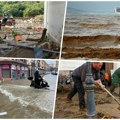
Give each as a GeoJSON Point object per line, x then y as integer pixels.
{"type": "Point", "coordinates": [94, 6]}
{"type": "Point", "coordinates": [51, 62]}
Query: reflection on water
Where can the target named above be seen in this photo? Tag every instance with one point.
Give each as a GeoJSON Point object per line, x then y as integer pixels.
{"type": "Point", "coordinates": [21, 101]}
{"type": "Point", "coordinates": [92, 24]}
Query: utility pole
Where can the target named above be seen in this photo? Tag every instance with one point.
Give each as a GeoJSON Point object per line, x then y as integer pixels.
{"type": "Point", "coordinates": [91, 107]}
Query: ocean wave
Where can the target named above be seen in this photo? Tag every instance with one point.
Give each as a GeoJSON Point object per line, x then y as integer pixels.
{"type": "Point", "coordinates": [92, 25]}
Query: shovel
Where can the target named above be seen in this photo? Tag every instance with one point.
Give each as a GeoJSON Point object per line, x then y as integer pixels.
{"type": "Point", "coordinates": [111, 95]}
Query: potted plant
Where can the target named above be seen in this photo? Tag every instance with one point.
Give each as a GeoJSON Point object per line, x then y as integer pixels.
{"type": "Point", "coordinates": [17, 36]}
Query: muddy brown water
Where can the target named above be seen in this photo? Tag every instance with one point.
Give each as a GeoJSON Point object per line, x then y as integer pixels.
{"type": "Point", "coordinates": [96, 53]}
{"type": "Point", "coordinates": [16, 110]}
{"type": "Point", "coordinates": [92, 24]}
{"type": "Point", "coordinates": [20, 100]}
{"type": "Point", "coordinates": [99, 33]}
{"type": "Point", "coordinates": [90, 41]}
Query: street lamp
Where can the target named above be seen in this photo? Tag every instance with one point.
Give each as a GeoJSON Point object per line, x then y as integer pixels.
{"type": "Point", "coordinates": [91, 108]}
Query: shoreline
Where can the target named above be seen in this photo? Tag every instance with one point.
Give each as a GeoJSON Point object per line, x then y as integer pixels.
{"type": "Point", "coordinates": [99, 46]}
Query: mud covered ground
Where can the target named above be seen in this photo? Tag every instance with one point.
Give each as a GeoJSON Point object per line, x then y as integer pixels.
{"type": "Point", "coordinates": [31, 31]}
{"type": "Point", "coordinates": [99, 46]}
{"type": "Point", "coordinates": [106, 107]}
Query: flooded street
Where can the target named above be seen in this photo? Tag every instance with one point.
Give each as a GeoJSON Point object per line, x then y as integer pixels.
{"type": "Point", "coordinates": [20, 100]}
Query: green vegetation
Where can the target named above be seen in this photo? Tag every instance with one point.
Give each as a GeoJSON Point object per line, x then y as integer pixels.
{"type": "Point", "coordinates": [14, 33]}
{"type": "Point", "coordinates": [22, 8]}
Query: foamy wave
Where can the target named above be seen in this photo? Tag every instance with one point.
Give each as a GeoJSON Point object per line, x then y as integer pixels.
{"type": "Point", "coordinates": [88, 24]}
{"type": "Point", "coordinates": [13, 98]}
{"type": "Point", "coordinates": [25, 101]}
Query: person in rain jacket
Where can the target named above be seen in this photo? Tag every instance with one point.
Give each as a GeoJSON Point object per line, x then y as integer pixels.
{"type": "Point", "coordinates": [37, 79]}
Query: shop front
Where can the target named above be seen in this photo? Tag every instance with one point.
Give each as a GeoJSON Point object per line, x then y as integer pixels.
{"type": "Point", "coordinates": [26, 72]}
{"type": "Point", "coordinates": [22, 72]}
{"type": "Point", "coordinates": [18, 72]}
{"type": "Point", "coordinates": [0, 73]}
{"type": "Point", "coordinates": [6, 71]}
{"type": "Point", "coordinates": [13, 72]}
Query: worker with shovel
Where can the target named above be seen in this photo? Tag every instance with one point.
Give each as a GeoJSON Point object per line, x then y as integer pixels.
{"type": "Point", "coordinates": [115, 80]}
{"type": "Point", "coordinates": [79, 76]}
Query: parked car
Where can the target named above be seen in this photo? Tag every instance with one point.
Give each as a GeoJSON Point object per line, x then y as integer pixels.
{"type": "Point", "coordinates": [54, 72]}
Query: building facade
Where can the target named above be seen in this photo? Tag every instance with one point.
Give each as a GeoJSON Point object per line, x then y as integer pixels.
{"type": "Point", "coordinates": [40, 65]}
{"type": "Point", "coordinates": [13, 69]}
{"type": "Point", "coordinates": [54, 21]}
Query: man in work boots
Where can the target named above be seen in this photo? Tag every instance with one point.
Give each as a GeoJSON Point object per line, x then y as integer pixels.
{"type": "Point", "coordinates": [79, 76]}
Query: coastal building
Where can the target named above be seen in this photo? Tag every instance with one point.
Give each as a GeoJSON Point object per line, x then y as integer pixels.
{"type": "Point", "coordinates": [40, 65]}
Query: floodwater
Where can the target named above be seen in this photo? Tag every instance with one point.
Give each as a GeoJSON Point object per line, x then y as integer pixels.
{"type": "Point", "coordinates": [92, 36]}
{"type": "Point", "coordinates": [20, 100]}
{"type": "Point", "coordinates": [92, 24]}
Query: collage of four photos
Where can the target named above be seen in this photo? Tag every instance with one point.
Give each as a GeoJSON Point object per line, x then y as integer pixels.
{"type": "Point", "coordinates": [59, 59]}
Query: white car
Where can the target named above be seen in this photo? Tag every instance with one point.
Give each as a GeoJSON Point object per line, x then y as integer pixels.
{"type": "Point", "coordinates": [54, 72]}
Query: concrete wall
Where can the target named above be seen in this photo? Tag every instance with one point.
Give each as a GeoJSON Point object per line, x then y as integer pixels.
{"type": "Point", "coordinates": [116, 65]}
{"type": "Point", "coordinates": [53, 18]}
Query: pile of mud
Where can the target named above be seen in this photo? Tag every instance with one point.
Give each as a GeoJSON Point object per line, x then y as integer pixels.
{"type": "Point", "coordinates": [105, 107]}
{"type": "Point", "coordinates": [21, 52]}
{"type": "Point", "coordinates": [108, 53]}
{"type": "Point", "coordinates": [31, 36]}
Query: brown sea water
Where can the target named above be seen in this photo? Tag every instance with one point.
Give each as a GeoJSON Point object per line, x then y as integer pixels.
{"type": "Point", "coordinates": [92, 24]}
{"type": "Point", "coordinates": [95, 36]}
{"type": "Point", "coordinates": [20, 100]}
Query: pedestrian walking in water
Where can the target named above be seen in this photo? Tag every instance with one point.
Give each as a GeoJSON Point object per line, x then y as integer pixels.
{"type": "Point", "coordinates": [37, 79]}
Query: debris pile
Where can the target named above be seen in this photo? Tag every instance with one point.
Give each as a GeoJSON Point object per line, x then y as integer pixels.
{"type": "Point", "coordinates": [26, 36]}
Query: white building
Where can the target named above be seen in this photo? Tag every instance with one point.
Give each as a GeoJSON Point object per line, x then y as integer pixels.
{"type": "Point", "coordinates": [109, 67]}
{"type": "Point", "coordinates": [54, 19]}
{"type": "Point", "coordinates": [70, 64]}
